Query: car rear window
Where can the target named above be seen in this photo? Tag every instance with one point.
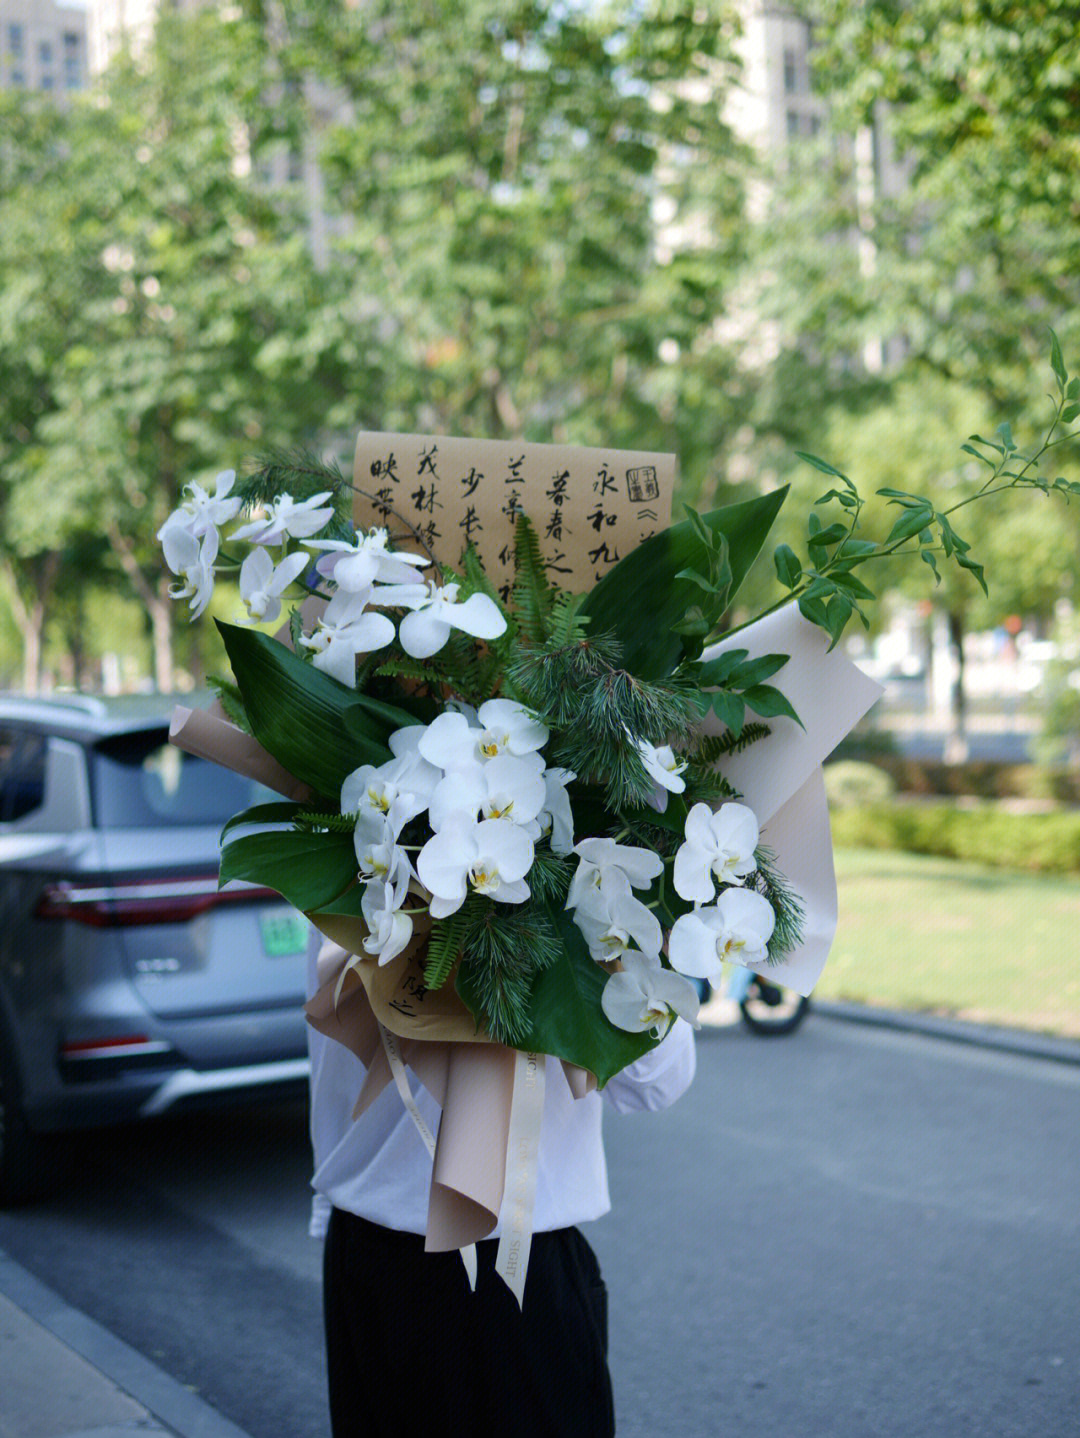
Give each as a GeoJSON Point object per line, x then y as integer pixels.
{"type": "Point", "coordinates": [141, 781]}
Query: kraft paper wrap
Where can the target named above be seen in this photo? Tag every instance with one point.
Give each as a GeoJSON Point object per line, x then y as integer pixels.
{"type": "Point", "coordinates": [472, 1082]}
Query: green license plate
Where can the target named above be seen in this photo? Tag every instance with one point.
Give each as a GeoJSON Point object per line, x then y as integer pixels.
{"type": "Point", "coordinates": [283, 932]}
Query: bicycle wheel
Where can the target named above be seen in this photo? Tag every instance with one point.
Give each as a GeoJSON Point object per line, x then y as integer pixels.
{"type": "Point", "coordinates": [769, 1009]}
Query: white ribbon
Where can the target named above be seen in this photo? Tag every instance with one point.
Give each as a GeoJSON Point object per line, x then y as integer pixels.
{"type": "Point", "coordinates": [522, 1148]}
{"type": "Point", "coordinates": [397, 1068]}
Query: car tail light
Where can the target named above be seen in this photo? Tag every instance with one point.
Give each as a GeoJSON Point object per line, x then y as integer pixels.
{"type": "Point", "coordinates": [143, 901]}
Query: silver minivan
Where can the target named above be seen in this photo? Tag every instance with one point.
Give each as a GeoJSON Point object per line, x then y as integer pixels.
{"type": "Point", "coordinates": [129, 985]}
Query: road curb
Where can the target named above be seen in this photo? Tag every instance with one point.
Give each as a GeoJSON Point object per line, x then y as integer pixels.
{"type": "Point", "coordinates": [174, 1406]}
{"type": "Point", "coordinates": [1015, 1041]}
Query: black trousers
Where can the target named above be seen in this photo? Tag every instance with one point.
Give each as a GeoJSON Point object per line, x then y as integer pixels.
{"type": "Point", "coordinates": [412, 1351]}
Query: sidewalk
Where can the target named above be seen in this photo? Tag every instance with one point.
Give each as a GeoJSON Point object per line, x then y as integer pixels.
{"type": "Point", "coordinates": [64, 1376]}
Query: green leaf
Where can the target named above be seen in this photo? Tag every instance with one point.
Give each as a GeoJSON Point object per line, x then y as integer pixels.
{"type": "Point", "coordinates": [756, 671]}
{"type": "Point", "coordinates": [909, 523]}
{"type": "Point", "coordinates": [768, 702]}
{"type": "Point", "coordinates": [852, 585]}
{"type": "Point", "coordinates": [976, 570]}
{"type": "Point", "coordinates": [928, 556]}
{"type": "Point", "coordinates": [1069, 413]}
{"type": "Point", "coordinates": [838, 611]}
{"type": "Point", "coordinates": [279, 812]}
{"type": "Point", "coordinates": [639, 600]}
{"type": "Point", "coordinates": [297, 712]}
{"type": "Point", "coordinates": [788, 568]}
{"type": "Point", "coordinates": [901, 497]}
{"type": "Point", "coordinates": [566, 1019]}
{"type": "Point", "coordinates": [1057, 363]}
{"type": "Point", "coordinates": [307, 870]}
{"type": "Point", "coordinates": [824, 467]}
{"type": "Point", "coordinates": [813, 608]}
{"type": "Point", "coordinates": [730, 709]}
{"type": "Point", "coordinates": [718, 670]}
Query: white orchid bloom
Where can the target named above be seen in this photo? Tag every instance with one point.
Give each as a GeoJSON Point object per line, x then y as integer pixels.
{"type": "Point", "coordinates": [286, 517]}
{"type": "Point", "coordinates": [435, 611]}
{"type": "Point", "coordinates": [664, 769]}
{"type": "Point", "coordinates": [491, 857]}
{"type": "Point", "coordinates": [377, 852]}
{"type": "Point", "coordinates": [203, 511]}
{"type": "Point", "coordinates": [736, 930]}
{"type": "Point", "coordinates": [647, 996]}
{"type": "Point", "coordinates": [556, 816]}
{"type": "Point", "coordinates": [611, 924]}
{"type": "Point", "coordinates": [262, 583]}
{"type": "Point", "coordinates": [509, 728]}
{"type": "Point", "coordinates": [394, 792]}
{"type": "Point", "coordinates": [347, 628]}
{"type": "Point", "coordinates": [506, 787]}
{"type": "Point", "coordinates": [612, 868]}
{"type": "Point", "coordinates": [719, 849]}
{"type": "Point", "coordinates": [366, 561]}
{"type": "Point", "coordinates": [389, 930]}
{"type": "Point", "coordinates": [192, 559]}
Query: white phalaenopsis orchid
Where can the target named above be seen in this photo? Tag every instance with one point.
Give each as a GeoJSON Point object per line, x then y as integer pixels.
{"type": "Point", "coordinates": [612, 868]}
{"type": "Point", "coordinates": [367, 561]}
{"type": "Point", "coordinates": [347, 628]}
{"type": "Point", "coordinates": [664, 769]}
{"type": "Point", "coordinates": [610, 925]}
{"type": "Point", "coordinates": [509, 728]}
{"type": "Point", "coordinates": [506, 787]}
{"type": "Point", "coordinates": [202, 511]}
{"type": "Point", "coordinates": [647, 996]}
{"type": "Point", "coordinates": [389, 930]}
{"type": "Point", "coordinates": [435, 610]}
{"type": "Point", "coordinates": [736, 930]}
{"type": "Point", "coordinates": [556, 815]}
{"type": "Point", "coordinates": [192, 559]}
{"type": "Point", "coordinates": [394, 792]}
{"type": "Point", "coordinates": [262, 583]}
{"type": "Point", "coordinates": [719, 849]}
{"type": "Point", "coordinates": [377, 853]}
{"type": "Point", "coordinates": [286, 517]}
{"type": "Point", "coordinates": [491, 857]}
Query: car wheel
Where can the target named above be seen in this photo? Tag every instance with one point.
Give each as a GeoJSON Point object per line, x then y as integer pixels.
{"type": "Point", "coordinates": [21, 1151]}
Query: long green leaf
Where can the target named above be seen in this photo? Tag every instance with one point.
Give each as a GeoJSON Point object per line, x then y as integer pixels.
{"type": "Point", "coordinates": [298, 713]}
{"type": "Point", "coordinates": [279, 812]}
{"type": "Point", "coordinates": [640, 599]}
{"type": "Point", "coordinates": [307, 870]}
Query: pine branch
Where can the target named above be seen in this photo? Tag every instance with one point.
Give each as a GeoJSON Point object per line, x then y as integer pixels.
{"type": "Point", "coordinates": [505, 947]}
{"type": "Point", "coordinates": [770, 881]}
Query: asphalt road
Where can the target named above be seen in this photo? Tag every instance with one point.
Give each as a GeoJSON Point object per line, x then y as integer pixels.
{"type": "Point", "coordinates": [847, 1232]}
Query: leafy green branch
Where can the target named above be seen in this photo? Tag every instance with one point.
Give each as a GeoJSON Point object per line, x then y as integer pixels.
{"type": "Point", "coordinates": [824, 585]}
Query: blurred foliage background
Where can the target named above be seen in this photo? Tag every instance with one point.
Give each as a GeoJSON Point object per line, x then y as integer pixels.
{"type": "Point", "coordinates": [280, 222]}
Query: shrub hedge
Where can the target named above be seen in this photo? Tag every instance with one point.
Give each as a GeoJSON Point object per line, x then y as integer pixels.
{"type": "Point", "coordinates": [984, 834]}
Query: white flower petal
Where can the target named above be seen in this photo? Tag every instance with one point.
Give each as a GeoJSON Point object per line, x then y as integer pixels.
{"type": "Point", "coordinates": [421, 634]}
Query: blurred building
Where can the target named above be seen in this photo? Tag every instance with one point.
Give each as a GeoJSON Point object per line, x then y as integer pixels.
{"type": "Point", "coordinates": [43, 46]}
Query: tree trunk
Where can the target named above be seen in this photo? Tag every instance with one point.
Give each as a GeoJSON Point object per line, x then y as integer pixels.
{"type": "Point", "coordinates": [161, 626]}
{"type": "Point", "coordinates": [956, 745]}
{"type": "Point", "coordinates": [158, 606]}
{"type": "Point", "coordinates": [30, 613]}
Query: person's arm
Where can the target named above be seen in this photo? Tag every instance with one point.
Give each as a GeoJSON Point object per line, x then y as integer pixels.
{"type": "Point", "coordinates": [659, 1078]}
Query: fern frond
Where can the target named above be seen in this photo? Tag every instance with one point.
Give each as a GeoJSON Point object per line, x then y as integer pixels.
{"type": "Point", "coordinates": [716, 746]}
{"type": "Point", "coordinates": [444, 945]}
{"type": "Point", "coordinates": [568, 625]}
{"type": "Point", "coordinates": [231, 701]}
{"type": "Point", "coordinates": [328, 823]}
{"type": "Point", "coordinates": [533, 596]}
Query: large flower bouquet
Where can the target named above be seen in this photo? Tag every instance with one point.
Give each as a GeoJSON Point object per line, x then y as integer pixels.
{"type": "Point", "coordinates": [530, 816]}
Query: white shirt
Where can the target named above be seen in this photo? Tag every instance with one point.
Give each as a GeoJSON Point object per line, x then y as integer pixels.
{"type": "Point", "coordinates": [378, 1168]}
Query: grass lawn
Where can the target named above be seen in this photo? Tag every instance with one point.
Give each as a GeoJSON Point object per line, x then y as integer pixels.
{"type": "Point", "coordinates": [960, 939]}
